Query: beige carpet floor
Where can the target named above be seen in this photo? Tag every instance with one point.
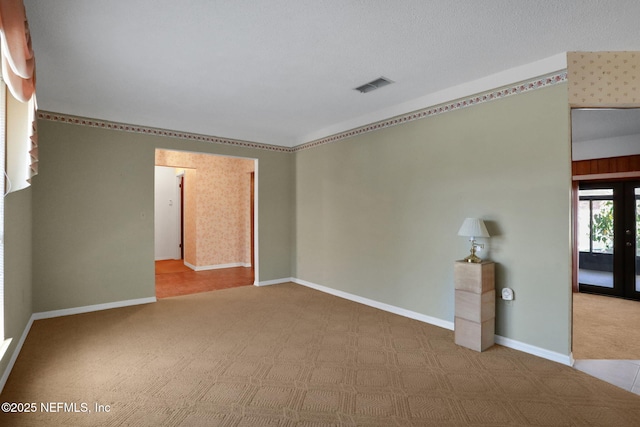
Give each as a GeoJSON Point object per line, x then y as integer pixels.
{"type": "Point", "coordinates": [285, 355]}
{"type": "Point", "coordinates": [605, 327]}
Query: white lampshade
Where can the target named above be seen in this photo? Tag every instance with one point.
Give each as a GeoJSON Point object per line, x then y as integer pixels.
{"type": "Point", "coordinates": [473, 227]}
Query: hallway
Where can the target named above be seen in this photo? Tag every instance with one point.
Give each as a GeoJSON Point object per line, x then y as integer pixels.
{"type": "Point", "coordinates": [173, 278]}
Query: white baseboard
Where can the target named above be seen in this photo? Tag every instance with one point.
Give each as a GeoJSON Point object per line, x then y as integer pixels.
{"type": "Point", "coordinates": [216, 266]}
{"type": "Point", "coordinates": [90, 308]}
{"type": "Point", "coordinates": [64, 312]}
{"type": "Point", "coordinates": [4, 347]}
{"type": "Point", "coordinates": [382, 306]}
{"type": "Point", "coordinates": [532, 349]}
{"type": "Point", "coordinates": [503, 341]}
{"type": "Point", "coordinates": [16, 352]}
{"type": "Point", "coordinates": [274, 282]}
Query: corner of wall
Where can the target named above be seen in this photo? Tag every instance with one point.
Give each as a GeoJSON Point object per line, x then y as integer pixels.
{"type": "Point", "coordinates": [18, 285]}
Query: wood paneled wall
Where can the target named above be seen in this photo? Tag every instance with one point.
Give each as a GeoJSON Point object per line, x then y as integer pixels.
{"type": "Point", "coordinates": [606, 166]}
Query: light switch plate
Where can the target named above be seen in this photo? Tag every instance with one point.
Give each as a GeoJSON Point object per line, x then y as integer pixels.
{"type": "Point", "coordinates": [507, 294]}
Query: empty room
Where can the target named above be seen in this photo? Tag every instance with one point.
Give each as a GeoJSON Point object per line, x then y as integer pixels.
{"type": "Point", "coordinates": [434, 207]}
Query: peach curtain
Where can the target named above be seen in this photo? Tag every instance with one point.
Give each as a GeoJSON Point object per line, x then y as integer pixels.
{"type": "Point", "coordinates": [18, 62]}
{"type": "Point", "coordinates": [18, 73]}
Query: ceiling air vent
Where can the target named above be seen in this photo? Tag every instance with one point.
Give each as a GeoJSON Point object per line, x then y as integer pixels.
{"type": "Point", "coordinates": [373, 85]}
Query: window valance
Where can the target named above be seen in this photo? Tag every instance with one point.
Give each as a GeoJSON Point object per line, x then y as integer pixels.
{"type": "Point", "coordinates": [18, 73]}
{"type": "Point", "coordinates": [18, 61]}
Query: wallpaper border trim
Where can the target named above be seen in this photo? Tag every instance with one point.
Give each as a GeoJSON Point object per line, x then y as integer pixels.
{"type": "Point", "coordinates": [525, 86]}
{"type": "Point", "coordinates": [492, 95]}
{"type": "Point", "coordinates": [96, 123]}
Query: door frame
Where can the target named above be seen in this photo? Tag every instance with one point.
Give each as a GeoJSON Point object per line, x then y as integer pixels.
{"type": "Point", "coordinates": [630, 242]}
{"type": "Point", "coordinates": [180, 212]}
{"type": "Point", "coordinates": [624, 253]}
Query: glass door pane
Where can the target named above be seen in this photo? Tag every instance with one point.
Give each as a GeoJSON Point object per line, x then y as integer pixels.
{"type": "Point", "coordinates": [596, 237]}
{"type": "Point", "coordinates": [584, 226]}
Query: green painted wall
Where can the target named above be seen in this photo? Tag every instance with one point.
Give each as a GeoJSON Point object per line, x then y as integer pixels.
{"type": "Point", "coordinates": [377, 215]}
{"type": "Point", "coordinates": [17, 267]}
{"type": "Point", "coordinates": [93, 213]}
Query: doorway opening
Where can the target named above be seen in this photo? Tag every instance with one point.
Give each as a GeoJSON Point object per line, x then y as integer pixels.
{"type": "Point", "coordinates": [205, 222]}
{"type": "Point", "coordinates": [169, 213]}
{"type": "Point", "coordinates": [606, 184]}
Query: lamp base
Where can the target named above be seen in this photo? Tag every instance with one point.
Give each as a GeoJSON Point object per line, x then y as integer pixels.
{"type": "Point", "coordinates": [473, 258]}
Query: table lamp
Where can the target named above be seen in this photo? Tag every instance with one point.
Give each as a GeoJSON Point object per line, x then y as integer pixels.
{"type": "Point", "coordinates": [472, 228]}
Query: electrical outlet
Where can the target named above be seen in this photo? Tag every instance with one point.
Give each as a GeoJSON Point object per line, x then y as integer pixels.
{"type": "Point", "coordinates": [507, 294]}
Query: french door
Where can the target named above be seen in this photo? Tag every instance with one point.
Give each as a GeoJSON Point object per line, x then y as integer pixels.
{"type": "Point", "coordinates": [608, 240]}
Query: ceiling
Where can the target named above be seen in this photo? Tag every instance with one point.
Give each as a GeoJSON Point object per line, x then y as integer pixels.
{"type": "Point", "coordinates": [591, 124]}
{"type": "Point", "coordinates": [283, 72]}
{"type": "Point", "coordinates": [598, 133]}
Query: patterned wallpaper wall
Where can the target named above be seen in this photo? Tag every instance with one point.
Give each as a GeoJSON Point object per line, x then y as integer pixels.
{"type": "Point", "coordinates": [604, 79]}
{"type": "Point", "coordinates": [218, 213]}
